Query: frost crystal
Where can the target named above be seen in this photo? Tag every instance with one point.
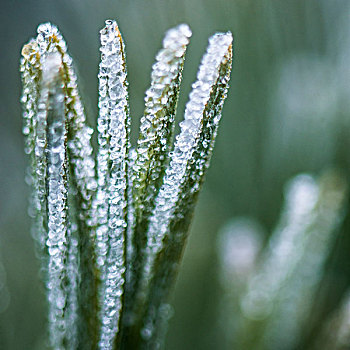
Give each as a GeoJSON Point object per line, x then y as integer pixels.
{"type": "Point", "coordinates": [110, 236]}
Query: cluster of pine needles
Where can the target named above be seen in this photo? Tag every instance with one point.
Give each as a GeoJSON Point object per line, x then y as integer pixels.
{"type": "Point", "coordinates": [111, 224]}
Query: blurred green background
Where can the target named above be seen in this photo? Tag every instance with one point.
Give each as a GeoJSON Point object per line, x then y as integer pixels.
{"type": "Point", "coordinates": [287, 112]}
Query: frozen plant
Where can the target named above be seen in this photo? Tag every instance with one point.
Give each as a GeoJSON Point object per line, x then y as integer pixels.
{"type": "Point", "coordinates": [111, 228]}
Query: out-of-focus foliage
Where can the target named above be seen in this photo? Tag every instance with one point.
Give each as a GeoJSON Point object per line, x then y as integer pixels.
{"type": "Point", "coordinates": [287, 112]}
{"type": "Point", "coordinates": [270, 297]}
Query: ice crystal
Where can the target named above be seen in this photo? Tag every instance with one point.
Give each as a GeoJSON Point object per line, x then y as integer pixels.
{"type": "Point", "coordinates": [111, 236]}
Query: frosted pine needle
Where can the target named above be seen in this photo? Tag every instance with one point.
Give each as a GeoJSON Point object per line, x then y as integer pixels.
{"type": "Point", "coordinates": [81, 165]}
{"type": "Point", "coordinates": [183, 178]}
{"type": "Point", "coordinates": [113, 128]}
{"type": "Point", "coordinates": [45, 128]}
{"type": "Point", "coordinates": [157, 123]}
{"type": "Point", "coordinates": [198, 131]}
{"type": "Point", "coordinates": [109, 238]}
{"type": "Point", "coordinates": [156, 131]}
{"type": "Point", "coordinates": [82, 180]}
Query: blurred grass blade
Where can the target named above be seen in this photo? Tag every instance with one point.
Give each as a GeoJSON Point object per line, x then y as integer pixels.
{"type": "Point", "coordinates": [239, 243]}
{"type": "Point", "coordinates": [156, 132]}
{"type": "Point", "coordinates": [175, 202]}
{"type": "Point", "coordinates": [289, 273]}
{"type": "Point", "coordinates": [112, 199]}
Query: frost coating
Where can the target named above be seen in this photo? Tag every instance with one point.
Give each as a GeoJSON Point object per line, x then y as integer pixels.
{"type": "Point", "coordinates": [131, 217]}
{"type": "Point", "coordinates": [73, 287]}
{"type": "Point", "coordinates": [111, 202]}
{"type": "Point", "coordinates": [52, 101]}
{"type": "Point", "coordinates": [34, 142]}
{"type": "Point", "coordinates": [187, 141]}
